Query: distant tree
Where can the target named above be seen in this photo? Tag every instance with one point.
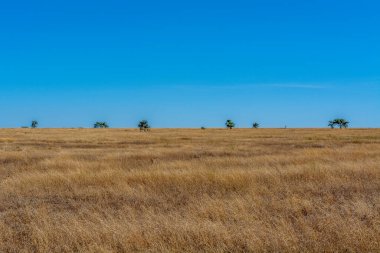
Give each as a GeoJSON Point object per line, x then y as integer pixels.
{"type": "Point", "coordinates": [230, 124]}
{"type": "Point", "coordinates": [144, 125]}
{"type": "Point", "coordinates": [341, 123]}
{"type": "Point", "coordinates": [34, 124]}
{"type": "Point", "coordinates": [331, 124]}
{"type": "Point", "coordinates": [203, 128]}
{"type": "Point", "coordinates": [101, 125]}
{"type": "Point", "coordinates": [255, 125]}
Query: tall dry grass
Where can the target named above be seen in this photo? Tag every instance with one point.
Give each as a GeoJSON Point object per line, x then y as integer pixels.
{"type": "Point", "coordinates": [215, 190]}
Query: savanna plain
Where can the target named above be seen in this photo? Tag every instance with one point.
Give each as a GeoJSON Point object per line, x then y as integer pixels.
{"type": "Point", "coordinates": [190, 190]}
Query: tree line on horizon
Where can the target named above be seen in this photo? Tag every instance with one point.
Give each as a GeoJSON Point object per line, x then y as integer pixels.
{"type": "Point", "coordinates": [144, 126]}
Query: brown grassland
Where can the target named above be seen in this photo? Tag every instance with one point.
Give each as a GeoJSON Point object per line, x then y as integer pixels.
{"type": "Point", "coordinates": [189, 190]}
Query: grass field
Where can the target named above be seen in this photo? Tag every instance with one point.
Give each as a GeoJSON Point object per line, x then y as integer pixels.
{"type": "Point", "coordinates": [182, 190]}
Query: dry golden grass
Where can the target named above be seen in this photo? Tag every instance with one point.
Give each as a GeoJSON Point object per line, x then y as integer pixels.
{"type": "Point", "coordinates": [214, 190]}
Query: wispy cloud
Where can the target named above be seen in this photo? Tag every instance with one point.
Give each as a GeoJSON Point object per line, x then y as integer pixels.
{"type": "Point", "coordinates": [254, 86]}
{"type": "Point", "coordinates": [299, 86]}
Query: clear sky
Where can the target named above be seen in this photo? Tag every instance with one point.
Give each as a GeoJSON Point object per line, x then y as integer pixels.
{"type": "Point", "coordinates": [191, 63]}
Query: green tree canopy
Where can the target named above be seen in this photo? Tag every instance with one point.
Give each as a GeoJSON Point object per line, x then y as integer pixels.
{"type": "Point", "coordinates": [230, 124]}
{"type": "Point", "coordinates": [101, 125]}
{"type": "Point", "coordinates": [144, 125]}
{"type": "Point", "coordinates": [341, 123]}
{"type": "Point", "coordinates": [34, 124]}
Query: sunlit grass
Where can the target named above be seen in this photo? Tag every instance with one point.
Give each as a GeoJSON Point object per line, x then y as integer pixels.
{"type": "Point", "coordinates": [189, 190]}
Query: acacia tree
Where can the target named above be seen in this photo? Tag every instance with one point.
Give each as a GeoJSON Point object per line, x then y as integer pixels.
{"type": "Point", "coordinates": [34, 124]}
{"type": "Point", "coordinates": [341, 123]}
{"type": "Point", "coordinates": [101, 125]}
{"type": "Point", "coordinates": [230, 124]}
{"type": "Point", "coordinates": [255, 125]}
{"type": "Point", "coordinates": [144, 125]}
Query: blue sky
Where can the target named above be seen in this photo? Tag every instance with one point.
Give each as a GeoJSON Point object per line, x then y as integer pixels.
{"type": "Point", "coordinates": [189, 63]}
